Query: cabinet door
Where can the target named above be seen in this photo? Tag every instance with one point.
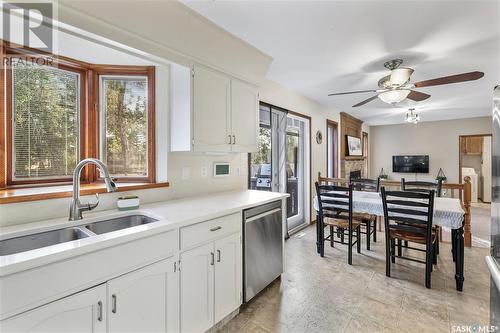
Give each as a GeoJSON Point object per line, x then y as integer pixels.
{"type": "Point", "coordinates": [244, 116]}
{"type": "Point", "coordinates": [228, 281]}
{"type": "Point", "coordinates": [197, 289]}
{"type": "Point", "coordinates": [211, 103]}
{"type": "Point", "coordinates": [137, 301]}
{"type": "Point", "coordinates": [81, 312]}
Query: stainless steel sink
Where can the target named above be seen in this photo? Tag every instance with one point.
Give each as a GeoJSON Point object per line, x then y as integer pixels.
{"type": "Point", "coordinates": [39, 240]}
{"type": "Point", "coordinates": [119, 223]}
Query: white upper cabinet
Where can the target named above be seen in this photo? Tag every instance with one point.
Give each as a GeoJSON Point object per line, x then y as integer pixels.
{"type": "Point", "coordinates": [244, 116]}
{"type": "Point", "coordinates": [211, 110]}
{"type": "Point", "coordinates": [81, 312]}
{"type": "Point", "coordinates": [220, 116]}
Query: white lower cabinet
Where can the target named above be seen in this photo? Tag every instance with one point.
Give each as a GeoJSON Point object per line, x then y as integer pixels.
{"type": "Point", "coordinates": [144, 300]}
{"type": "Point", "coordinates": [210, 283]}
{"type": "Point", "coordinates": [228, 280]}
{"type": "Point", "coordinates": [138, 301]}
{"type": "Point", "coordinates": [81, 312]}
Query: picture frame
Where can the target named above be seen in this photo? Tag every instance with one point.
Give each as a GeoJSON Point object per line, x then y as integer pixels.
{"type": "Point", "coordinates": [354, 147]}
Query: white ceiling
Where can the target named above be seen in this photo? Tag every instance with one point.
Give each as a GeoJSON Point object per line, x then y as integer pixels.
{"type": "Point", "coordinates": [321, 47]}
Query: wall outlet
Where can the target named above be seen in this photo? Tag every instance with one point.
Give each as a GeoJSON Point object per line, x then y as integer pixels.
{"type": "Point", "coordinates": [204, 171]}
{"type": "Point", "coordinates": [185, 173]}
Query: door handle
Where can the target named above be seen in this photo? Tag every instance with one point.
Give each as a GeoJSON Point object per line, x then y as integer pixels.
{"type": "Point", "coordinates": [99, 311]}
{"type": "Point", "coordinates": [230, 139]}
{"type": "Point", "coordinates": [113, 303]}
{"type": "Point", "coordinates": [234, 139]}
{"type": "Point", "coordinates": [218, 255]}
{"type": "Point", "coordinates": [212, 256]}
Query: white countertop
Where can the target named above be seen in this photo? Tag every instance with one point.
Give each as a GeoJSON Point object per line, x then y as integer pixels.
{"type": "Point", "coordinates": [170, 214]}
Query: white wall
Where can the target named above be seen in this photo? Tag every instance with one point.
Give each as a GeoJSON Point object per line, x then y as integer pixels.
{"type": "Point", "coordinates": [438, 139]}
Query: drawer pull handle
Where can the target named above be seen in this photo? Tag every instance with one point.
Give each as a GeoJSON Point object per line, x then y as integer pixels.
{"type": "Point", "coordinates": [216, 228]}
{"type": "Point", "coordinates": [113, 303]}
{"type": "Point", "coordinates": [218, 255]}
{"type": "Point", "coordinates": [99, 311]}
{"type": "Point", "coordinates": [212, 258]}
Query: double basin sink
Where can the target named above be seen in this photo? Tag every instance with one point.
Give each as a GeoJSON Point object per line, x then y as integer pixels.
{"type": "Point", "coordinates": [48, 238]}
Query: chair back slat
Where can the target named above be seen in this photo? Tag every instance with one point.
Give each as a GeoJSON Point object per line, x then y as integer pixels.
{"type": "Point", "coordinates": [422, 186]}
{"type": "Point", "coordinates": [329, 204]}
{"type": "Point", "coordinates": [365, 184]}
{"type": "Point", "coordinates": [412, 209]}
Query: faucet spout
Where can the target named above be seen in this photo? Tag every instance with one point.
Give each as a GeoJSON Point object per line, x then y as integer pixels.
{"type": "Point", "coordinates": [76, 207]}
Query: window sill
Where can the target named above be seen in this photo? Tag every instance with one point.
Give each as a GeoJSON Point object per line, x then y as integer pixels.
{"type": "Point", "coordinates": [12, 195]}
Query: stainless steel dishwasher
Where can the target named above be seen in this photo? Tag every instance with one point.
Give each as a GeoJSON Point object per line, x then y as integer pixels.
{"type": "Point", "coordinates": [262, 247]}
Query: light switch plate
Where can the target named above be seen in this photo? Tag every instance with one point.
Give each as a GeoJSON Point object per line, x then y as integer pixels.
{"type": "Point", "coordinates": [185, 173]}
{"type": "Point", "coordinates": [204, 171]}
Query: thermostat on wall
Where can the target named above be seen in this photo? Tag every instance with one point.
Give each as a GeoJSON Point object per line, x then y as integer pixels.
{"type": "Point", "coordinates": [221, 169]}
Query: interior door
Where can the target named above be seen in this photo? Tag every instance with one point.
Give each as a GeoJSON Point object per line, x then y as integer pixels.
{"type": "Point", "coordinates": [197, 289]}
{"type": "Point", "coordinates": [211, 105]}
{"type": "Point", "coordinates": [228, 270]}
{"type": "Point", "coordinates": [81, 312]}
{"type": "Point", "coordinates": [244, 122]}
{"type": "Point", "coordinates": [137, 301]}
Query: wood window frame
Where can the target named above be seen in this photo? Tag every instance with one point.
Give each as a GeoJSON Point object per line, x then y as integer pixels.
{"type": "Point", "coordinates": [335, 153]}
{"type": "Point", "coordinates": [149, 72]}
{"type": "Point", "coordinates": [88, 118]}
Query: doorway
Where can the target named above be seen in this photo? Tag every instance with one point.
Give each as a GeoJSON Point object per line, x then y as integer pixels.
{"type": "Point", "coordinates": [475, 162]}
{"type": "Point", "coordinates": [281, 163]}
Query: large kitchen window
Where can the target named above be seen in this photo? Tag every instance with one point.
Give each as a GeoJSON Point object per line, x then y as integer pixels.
{"type": "Point", "coordinates": [45, 116]}
{"type": "Point", "coordinates": [59, 113]}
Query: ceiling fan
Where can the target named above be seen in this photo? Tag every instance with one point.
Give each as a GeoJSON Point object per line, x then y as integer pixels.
{"type": "Point", "coordinates": [396, 86]}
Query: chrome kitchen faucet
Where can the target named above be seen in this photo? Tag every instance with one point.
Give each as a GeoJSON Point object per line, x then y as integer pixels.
{"type": "Point", "coordinates": [76, 208]}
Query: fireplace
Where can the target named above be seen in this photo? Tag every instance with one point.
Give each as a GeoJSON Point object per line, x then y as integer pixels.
{"type": "Point", "coordinates": [355, 174]}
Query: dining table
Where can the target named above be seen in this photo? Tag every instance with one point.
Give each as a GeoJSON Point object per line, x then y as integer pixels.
{"type": "Point", "coordinates": [448, 213]}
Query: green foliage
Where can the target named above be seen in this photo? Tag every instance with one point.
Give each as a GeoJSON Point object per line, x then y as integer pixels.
{"type": "Point", "coordinates": [45, 108]}
{"type": "Point", "coordinates": [126, 126]}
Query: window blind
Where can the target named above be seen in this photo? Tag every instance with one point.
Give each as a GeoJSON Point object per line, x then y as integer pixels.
{"type": "Point", "coordinates": [46, 108]}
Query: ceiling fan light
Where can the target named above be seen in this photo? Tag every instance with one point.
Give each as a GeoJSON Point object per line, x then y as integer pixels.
{"type": "Point", "coordinates": [400, 76]}
{"type": "Point", "coordinates": [394, 96]}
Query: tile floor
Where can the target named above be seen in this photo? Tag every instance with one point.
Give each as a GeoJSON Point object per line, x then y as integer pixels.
{"type": "Point", "coordinates": [326, 295]}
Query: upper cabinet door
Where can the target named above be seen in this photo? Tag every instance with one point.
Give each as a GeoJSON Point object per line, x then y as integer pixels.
{"type": "Point", "coordinates": [197, 289]}
{"type": "Point", "coordinates": [211, 110]}
{"type": "Point", "coordinates": [244, 116]}
{"type": "Point", "coordinates": [228, 268]}
{"type": "Point", "coordinates": [81, 312]}
{"type": "Point", "coordinates": [137, 301]}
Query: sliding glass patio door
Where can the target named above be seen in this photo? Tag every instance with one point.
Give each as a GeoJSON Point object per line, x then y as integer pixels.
{"type": "Point", "coordinates": [280, 164]}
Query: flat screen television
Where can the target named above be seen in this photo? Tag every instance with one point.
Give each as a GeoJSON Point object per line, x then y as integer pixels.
{"type": "Point", "coordinates": [410, 164]}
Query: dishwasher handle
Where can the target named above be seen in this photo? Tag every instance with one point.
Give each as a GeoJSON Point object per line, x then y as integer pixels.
{"type": "Point", "coordinates": [259, 216]}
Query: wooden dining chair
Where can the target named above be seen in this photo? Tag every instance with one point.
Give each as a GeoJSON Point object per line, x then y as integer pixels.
{"type": "Point", "coordinates": [408, 217]}
{"type": "Point", "coordinates": [424, 187]}
{"type": "Point", "coordinates": [335, 211]}
{"type": "Point", "coordinates": [369, 220]}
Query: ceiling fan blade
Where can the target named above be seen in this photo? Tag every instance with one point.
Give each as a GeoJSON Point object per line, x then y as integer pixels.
{"type": "Point", "coordinates": [417, 96]}
{"type": "Point", "coordinates": [352, 92]}
{"type": "Point", "coordinates": [450, 79]}
{"type": "Point", "coordinates": [365, 101]}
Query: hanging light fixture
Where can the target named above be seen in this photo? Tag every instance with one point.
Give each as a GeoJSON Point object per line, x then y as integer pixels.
{"type": "Point", "coordinates": [394, 96]}
{"type": "Point", "coordinates": [412, 117]}
{"type": "Point", "coordinates": [400, 76]}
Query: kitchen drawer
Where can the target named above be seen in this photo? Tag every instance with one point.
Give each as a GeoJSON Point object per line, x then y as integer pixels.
{"type": "Point", "coordinates": [210, 230]}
